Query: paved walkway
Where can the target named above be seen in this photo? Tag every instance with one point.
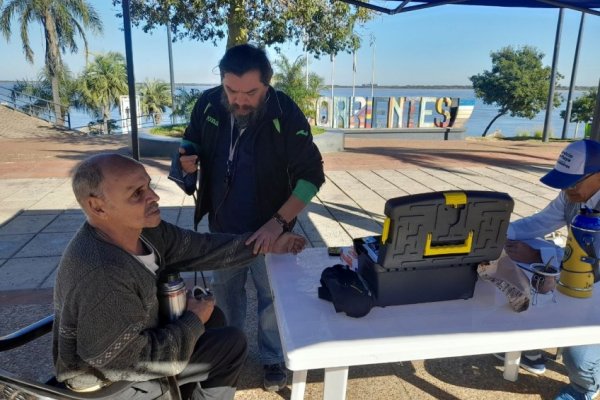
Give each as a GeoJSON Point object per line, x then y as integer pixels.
{"type": "Point", "coordinates": [38, 216]}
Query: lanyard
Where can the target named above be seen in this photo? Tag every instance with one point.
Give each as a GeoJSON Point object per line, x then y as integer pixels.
{"type": "Point", "coordinates": [232, 148]}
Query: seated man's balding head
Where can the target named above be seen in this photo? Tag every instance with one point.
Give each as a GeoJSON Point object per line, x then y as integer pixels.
{"type": "Point", "coordinates": [90, 173]}
{"type": "Point", "coordinates": [115, 194]}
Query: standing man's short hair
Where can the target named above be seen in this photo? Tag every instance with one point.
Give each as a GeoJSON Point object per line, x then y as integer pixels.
{"type": "Point", "coordinates": [244, 58]}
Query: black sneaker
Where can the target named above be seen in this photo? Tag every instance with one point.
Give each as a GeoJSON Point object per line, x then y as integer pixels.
{"type": "Point", "coordinates": [275, 377]}
{"type": "Point", "coordinates": [534, 363]}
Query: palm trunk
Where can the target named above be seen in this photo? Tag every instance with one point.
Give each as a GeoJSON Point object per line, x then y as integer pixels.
{"type": "Point", "coordinates": [236, 22]}
{"type": "Point", "coordinates": [105, 118]}
{"type": "Point", "coordinates": [53, 64]}
{"type": "Point", "coordinates": [491, 122]}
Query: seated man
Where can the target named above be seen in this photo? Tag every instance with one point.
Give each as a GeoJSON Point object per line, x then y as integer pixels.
{"type": "Point", "coordinates": [576, 173]}
{"type": "Point", "coordinates": [107, 325]}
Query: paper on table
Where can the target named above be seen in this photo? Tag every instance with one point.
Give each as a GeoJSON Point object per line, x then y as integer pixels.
{"type": "Point", "coordinates": [510, 279]}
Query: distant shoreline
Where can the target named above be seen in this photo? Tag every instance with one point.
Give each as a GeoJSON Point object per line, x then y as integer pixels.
{"type": "Point", "coordinates": [3, 82]}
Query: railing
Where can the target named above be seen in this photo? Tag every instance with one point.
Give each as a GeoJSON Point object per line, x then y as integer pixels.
{"type": "Point", "coordinates": [115, 126]}
{"type": "Point", "coordinates": [44, 109]}
{"type": "Point", "coordinates": [33, 106]}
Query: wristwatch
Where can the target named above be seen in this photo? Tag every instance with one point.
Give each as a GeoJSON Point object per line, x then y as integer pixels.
{"type": "Point", "coordinates": [281, 221]}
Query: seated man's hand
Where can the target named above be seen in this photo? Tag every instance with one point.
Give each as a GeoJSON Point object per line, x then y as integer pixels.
{"type": "Point", "coordinates": [521, 252]}
{"type": "Point", "coordinates": [289, 243]}
{"type": "Point", "coordinates": [202, 308]}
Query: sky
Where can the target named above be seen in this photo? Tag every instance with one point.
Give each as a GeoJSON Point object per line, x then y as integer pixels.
{"type": "Point", "coordinates": [443, 45]}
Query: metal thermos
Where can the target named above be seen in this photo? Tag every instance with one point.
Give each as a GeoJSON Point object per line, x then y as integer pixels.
{"type": "Point", "coordinates": [172, 298]}
{"type": "Point", "coordinates": [582, 254]}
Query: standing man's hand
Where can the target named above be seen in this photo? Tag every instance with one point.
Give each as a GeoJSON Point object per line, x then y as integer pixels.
{"type": "Point", "coordinates": [188, 163]}
{"type": "Point", "coordinates": [522, 252]}
{"type": "Point", "coordinates": [202, 308]}
{"type": "Point", "coordinates": [265, 237]}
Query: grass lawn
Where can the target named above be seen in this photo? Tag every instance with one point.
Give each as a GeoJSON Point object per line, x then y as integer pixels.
{"type": "Point", "coordinates": [177, 130]}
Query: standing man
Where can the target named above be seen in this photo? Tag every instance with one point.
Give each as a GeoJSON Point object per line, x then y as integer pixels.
{"type": "Point", "coordinates": [258, 169]}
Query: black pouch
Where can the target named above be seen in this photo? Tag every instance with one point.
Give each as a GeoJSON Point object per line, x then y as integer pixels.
{"type": "Point", "coordinates": [344, 288]}
{"type": "Point", "coordinates": [188, 182]}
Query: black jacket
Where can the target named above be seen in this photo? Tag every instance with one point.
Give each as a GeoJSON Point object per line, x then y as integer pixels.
{"type": "Point", "coordinates": [283, 149]}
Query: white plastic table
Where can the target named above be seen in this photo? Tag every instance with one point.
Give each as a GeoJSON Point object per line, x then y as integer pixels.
{"type": "Point", "coordinates": [314, 336]}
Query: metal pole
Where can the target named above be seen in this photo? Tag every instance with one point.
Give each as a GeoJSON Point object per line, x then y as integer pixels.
{"type": "Point", "coordinates": [595, 134]}
{"type": "Point", "coordinates": [332, 75]}
{"type": "Point", "coordinates": [353, 74]}
{"type": "Point", "coordinates": [372, 65]}
{"type": "Point", "coordinates": [135, 152]}
{"type": "Point", "coordinates": [549, 105]}
{"type": "Point", "coordinates": [573, 76]}
{"type": "Point", "coordinates": [306, 55]}
{"type": "Point", "coordinates": [171, 73]}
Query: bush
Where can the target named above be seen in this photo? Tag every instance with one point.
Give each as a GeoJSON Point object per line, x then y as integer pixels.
{"type": "Point", "coordinates": [176, 130]}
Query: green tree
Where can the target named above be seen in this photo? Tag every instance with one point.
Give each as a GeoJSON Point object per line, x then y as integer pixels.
{"type": "Point", "coordinates": [185, 102]}
{"type": "Point", "coordinates": [583, 107]}
{"type": "Point", "coordinates": [100, 85]}
{"type": "Point", "coordinates": [290, 78]}
{"type": "Point", "coordinates": [518, 83]}
{"type": "Point", "coordinates": [155, 97]}
{"type": "Point", "coordinates": [323, 26]}
{"type": "Point", "coordinates": [62, 21]}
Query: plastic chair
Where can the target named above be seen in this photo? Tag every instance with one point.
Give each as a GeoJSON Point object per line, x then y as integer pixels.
{"type": "Point", "coordinates": [14, 387]}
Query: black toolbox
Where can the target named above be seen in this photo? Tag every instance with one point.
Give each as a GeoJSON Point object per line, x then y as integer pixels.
{"type": "Point", "coordinates": [431, 245]}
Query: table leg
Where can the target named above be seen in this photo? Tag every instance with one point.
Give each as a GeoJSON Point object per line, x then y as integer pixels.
{"type": "Point", "coordinates": [511, 365]}
{"type": "Point", "coordinates": [336, 380]}
{"type": "Point", "coordinates": [298, 385]}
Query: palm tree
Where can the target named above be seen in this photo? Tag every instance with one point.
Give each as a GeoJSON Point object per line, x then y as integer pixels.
{"type": "Point", "coordinates": [62, 21]}
{"type": "Point", "coordinates": [290, 78]}
{"type": "Point", "coordinates": [100, 85]}
{"type": "Point", "coordinates": [185, 102]}
{"type": "Point", "coordinates": [42, 90]}
{"type": "Point", "coordinates": [155, 97]}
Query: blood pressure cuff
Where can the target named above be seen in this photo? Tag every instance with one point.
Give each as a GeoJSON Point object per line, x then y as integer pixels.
{"type": "Point", "coordinates": [344, 288]}
{"type": "Point", "coordinates": [187, 182]}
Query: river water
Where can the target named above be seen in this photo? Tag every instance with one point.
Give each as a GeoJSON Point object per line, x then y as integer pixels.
{"type": "Point", "coordinates": [482, 113]}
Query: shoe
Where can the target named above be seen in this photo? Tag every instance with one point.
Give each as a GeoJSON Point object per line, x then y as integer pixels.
{"type": "Point", "coordinates": [534, 363]}
{"type": "Point", "coordinates": [275, 377]}
{"type": "Point", "coordinates": [569, 393]}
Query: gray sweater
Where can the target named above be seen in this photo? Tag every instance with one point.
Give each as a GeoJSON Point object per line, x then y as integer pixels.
{"type": "Point", "coordinates": [106, 325]}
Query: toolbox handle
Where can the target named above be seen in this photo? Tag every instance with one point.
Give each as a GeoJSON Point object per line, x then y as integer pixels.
{"type": "Point", "coordinates": [445, 249]}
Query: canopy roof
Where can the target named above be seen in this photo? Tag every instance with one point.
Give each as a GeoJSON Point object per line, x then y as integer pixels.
{"type": "Point", "coordinates": [400, 6]}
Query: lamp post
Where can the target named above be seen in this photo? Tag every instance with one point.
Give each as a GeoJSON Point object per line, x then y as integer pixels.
{"type": "Point", "coordinates": [550, 103]}
{"type": "Point", "coordinates": [171, 73]}
{"type": "Point", "coordinates": [306, 55]}
{"type": "Point", "coordinates": [332, 74]}
{"type": "Point", "coordinates": [353, 72]}
{"type": "Point", "coordinates": [573, 77]}
{"type": "Point", "coordinates": [130, 80]}
{"type": "Point", "coordinates": [372, 43]}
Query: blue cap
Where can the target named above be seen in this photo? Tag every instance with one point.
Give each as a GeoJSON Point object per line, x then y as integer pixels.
{"type": "Point", "coordinates": [577, 160]}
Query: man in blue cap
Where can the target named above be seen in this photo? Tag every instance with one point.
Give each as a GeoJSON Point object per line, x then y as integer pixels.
{"type": "Point", "coordinates": [577, 175]}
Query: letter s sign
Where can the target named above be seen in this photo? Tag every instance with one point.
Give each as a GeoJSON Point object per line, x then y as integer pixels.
{"type": "Point", "coordinates": [444, 112]}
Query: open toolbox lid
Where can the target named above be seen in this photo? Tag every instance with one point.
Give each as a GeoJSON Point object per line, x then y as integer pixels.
{"type": "Point", "coordinates": [440, 229]}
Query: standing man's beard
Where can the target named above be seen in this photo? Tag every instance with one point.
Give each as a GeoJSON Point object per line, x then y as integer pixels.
{"type": "Point", "coordinates": [243, 121]}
